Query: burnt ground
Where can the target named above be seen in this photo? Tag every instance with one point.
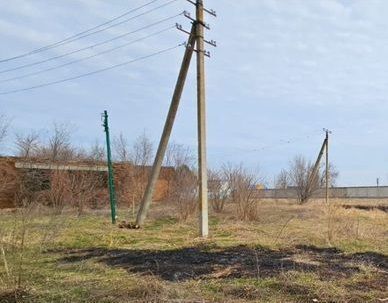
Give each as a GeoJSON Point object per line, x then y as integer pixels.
{"type": "Point", "coordinates": [236, 262]}
{"type": "Point", "coordinates": [15, 296]}
{"type": "Point", "coordinates": [383, 208]}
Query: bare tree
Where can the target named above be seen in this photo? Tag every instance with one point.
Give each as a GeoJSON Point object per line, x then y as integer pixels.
{"type": "Point", "coordinates": [97, 152]}
{"type": "Point", "coordinates": [121, 148]}
{"type": "Point", "coordinates": [333, 175]}
{"type": "Point", "coordinates": [219, 190]}
{"type": "Point", "coordinates": [27, 145]}
{"type": "Point", "coordinates": [4, 125]}
{"type": "Point", "coordinates": [282, 180]}
{"type": "Point", "coordinates": [182, 191]}
{"type": "Point", "coordinates": [301, 178]}
{"type": "Point", "coordinates": [59, 146]}
{"type": "Point", "coordinates": [178, 155]}
{"type": "Point", "coordinates": [141, 157]}
{"type": "Point", "coordinates": [142, 151]}
{"type": "Point", "coordinates": [59, 193]}
{"type": "Point", "coordinates": [300, 172]}
{"type": "Point", "coordinates": [84, 189]}
{"type": "Point", "coordinates": [132, 173]}
{"type": "Point", "coordinates": [243, 190]}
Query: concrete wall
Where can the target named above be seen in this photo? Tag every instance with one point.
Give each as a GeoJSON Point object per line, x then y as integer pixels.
{"type": "Point", "coordinates": [362, 192]}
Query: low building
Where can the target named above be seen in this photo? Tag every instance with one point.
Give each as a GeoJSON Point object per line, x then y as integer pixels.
{"type": "Point", "coordinates": [39, 176]}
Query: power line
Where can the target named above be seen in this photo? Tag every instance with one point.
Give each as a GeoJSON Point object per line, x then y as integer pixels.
{"type": "Point", "coordinates": [93, 72]}
{"type": "Point", "coordinates": [100, 25]}
{"type": "Point", "coordinates": [119, 23]}
{"type": "Point", "coordinates": [88, 57]}
{"type": "Point", "coordinates": [286, 142]}
{"type": "Point", "coordinates": [90, 46]}
{"type": "Point", "coordinates": [88, 33]}
{"type": "Point", "coordinates": [270, 146]}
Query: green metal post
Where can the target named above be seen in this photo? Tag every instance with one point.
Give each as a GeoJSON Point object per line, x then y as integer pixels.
{"type": "Point", "coordinates": [112, 191]}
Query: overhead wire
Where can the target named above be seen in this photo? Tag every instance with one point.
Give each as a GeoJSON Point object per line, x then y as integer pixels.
{"type": "Point", "coordinates": [88, 33]}
{"type": "Point", "coordinates": [90, 46]}
{"type": "Point", "coordinates": [93, 72]}
{"type": "Point", "coordinates": [287, 142]}
{"type": "Point", "coordinates": [279, 143]}
{"type": "Point", "coordinates": [88, 57]}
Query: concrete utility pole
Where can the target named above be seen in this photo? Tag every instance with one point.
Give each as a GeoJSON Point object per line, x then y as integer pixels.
{"type": "Point", "coordinates": [196, 38]}
{"type": "Point", "coordinates": [316, 165]}
{"type": "Point", "coordinates": [147, 198]}
{"type": "Point", "coordinates": [327, 166]}
{"type": "Point", "coordinates": [201, 107]}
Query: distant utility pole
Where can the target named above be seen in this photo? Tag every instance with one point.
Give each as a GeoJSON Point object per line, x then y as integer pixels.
{"type": "Point", "coordinates": [314, 173]}
{"type": "Point", "coordinates": [195, 43]}
{"type": "Point", "coordinates": [111, 184]}
{"type": "Point", "coordinates": [327, 165]}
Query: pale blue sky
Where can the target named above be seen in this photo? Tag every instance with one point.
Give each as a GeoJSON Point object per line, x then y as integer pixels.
{"type": "Point", "coordinates": [282, 71]}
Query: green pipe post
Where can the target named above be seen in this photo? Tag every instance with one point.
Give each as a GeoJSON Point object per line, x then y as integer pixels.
{"type": "Point", "coordinates": [112, 191]}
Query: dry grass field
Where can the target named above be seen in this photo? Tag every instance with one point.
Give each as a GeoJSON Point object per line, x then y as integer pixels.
{"type": "Point", "coordinates": [291, 253]}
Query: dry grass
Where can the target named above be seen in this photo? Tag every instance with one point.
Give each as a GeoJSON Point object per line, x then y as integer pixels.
{"type": "Point", "coordinates": [283, 256]}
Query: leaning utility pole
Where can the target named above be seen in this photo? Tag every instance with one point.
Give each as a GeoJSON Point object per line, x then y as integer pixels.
{"type": "Point", "coordinates": [196, 38]}
{"type": "Point", "coordinates": [111, 184]}
{"type": "Point", "coordinates": [147, 198]}
{"type": "Point", "coordinates": [314, 172]}
{"type": "Point", "coordinates": [327, 165]}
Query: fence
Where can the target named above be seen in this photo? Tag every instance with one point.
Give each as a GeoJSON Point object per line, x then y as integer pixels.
{"type": "Point", "coordinates": [362, 192]}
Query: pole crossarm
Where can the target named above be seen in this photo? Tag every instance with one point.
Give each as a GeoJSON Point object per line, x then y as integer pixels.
{"type": "Point", "coordinates": [210, 42]}
{"type": "Point", "coordinates": [209, 11]}
{"type": "Point", "coordinates": [196, 21]}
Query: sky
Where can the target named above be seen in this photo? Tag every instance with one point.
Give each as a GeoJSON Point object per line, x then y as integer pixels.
{"type": "Point", "coordinates": [282, 71]}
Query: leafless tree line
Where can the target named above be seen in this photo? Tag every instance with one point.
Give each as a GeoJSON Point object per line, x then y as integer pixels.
{"type": "Point", "coordinates": [57, 147]}
{"type": "Point", "coordinates": [58, 188]}
{"type": "Point", "coordinates": [231, 184]}
{"type": "Point", "coordinates": [81, 189]}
